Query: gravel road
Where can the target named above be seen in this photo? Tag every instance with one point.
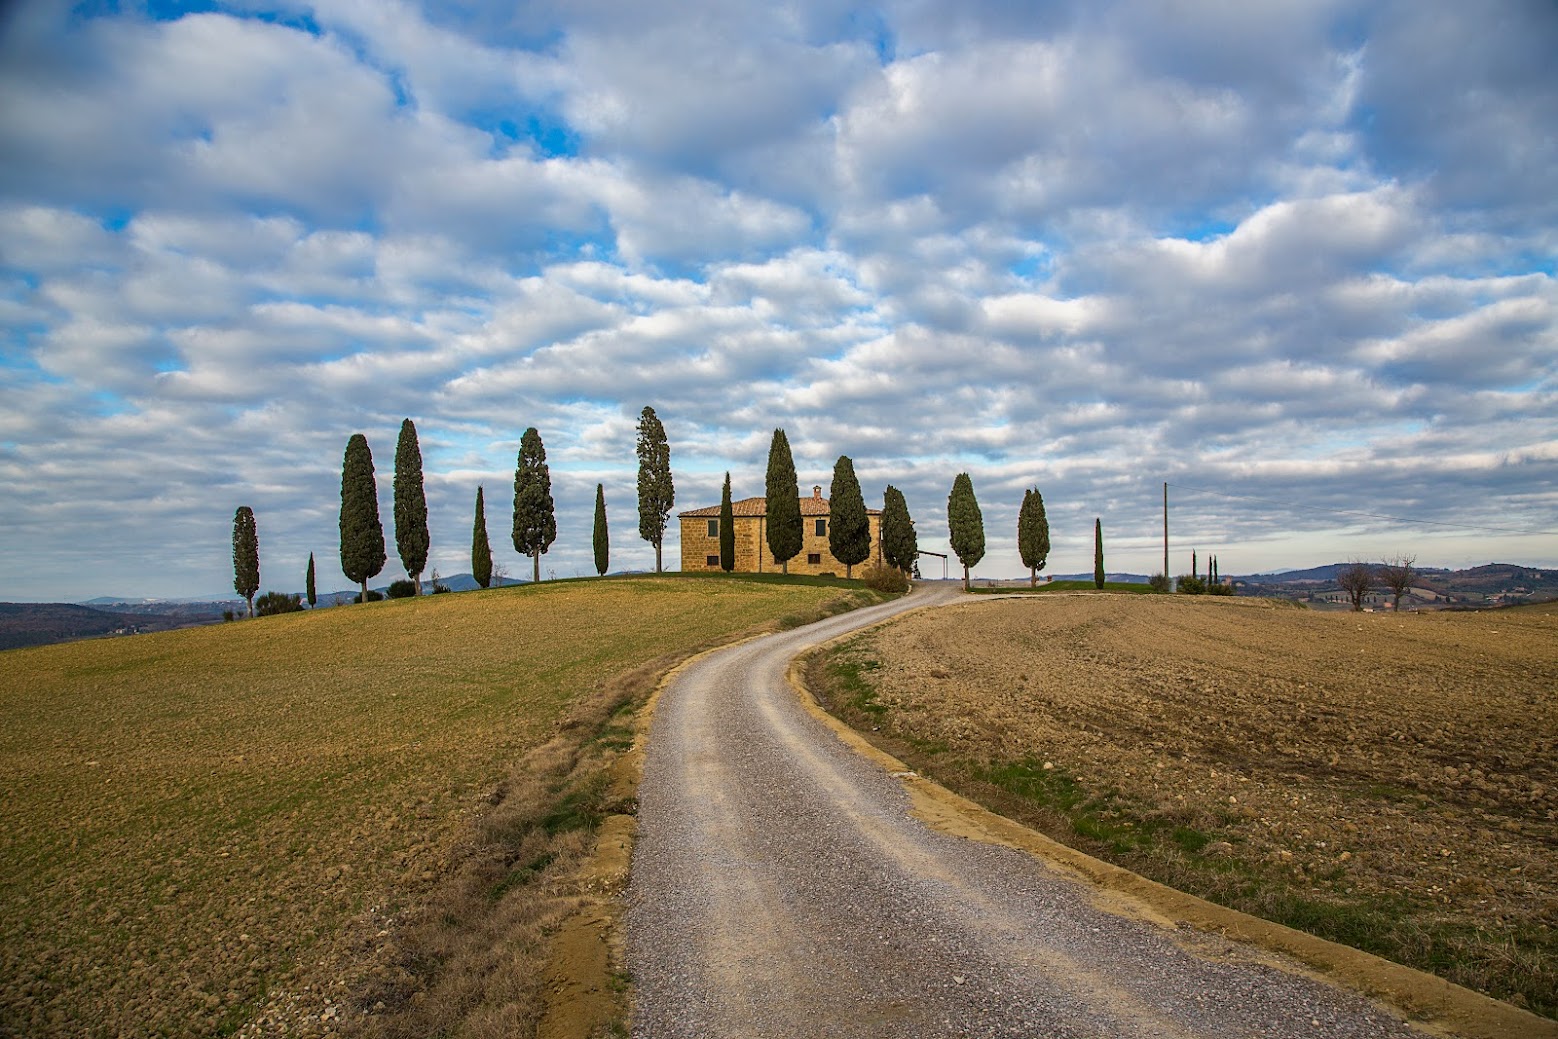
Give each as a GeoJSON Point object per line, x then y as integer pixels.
{"type": "Point", "coordinates": [780, 887]}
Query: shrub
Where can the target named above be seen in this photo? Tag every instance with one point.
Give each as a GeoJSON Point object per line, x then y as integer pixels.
{"type": "Point", "coordinates": [278, 602]}
{"type": "Point", "coordinates": [441, 589]}
{"type": "Point", "coordinates": [885, 579]}
{"type": "Point", "coordinates": [402, 589]}
{"type": "Point", "coordinates": [1219, 588]}
{"type": "Point", "coordinates": [1159, 583]}
{"type": "Point", "coordinates": [1190, 584]}
{"type": "Point", "coordinates": [228, 615]}
{"type": "Point", "coordinates": [373, 596]}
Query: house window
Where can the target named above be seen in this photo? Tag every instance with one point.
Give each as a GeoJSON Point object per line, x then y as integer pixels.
{"type": "Point", "coordinates": [814, 558]}
{"type": "Point", "coordinates": [711, 560]}
{"type": "Point", "coordinates": [822, 528]}
{"type": "Point", "coordinates": [713, 528]}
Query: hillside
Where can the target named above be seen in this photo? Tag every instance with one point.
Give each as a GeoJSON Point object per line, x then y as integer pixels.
{"type": "Point", "coordinates": [40, 624]}
{"type": "Point", "coordinates": [1496, 584]}
{"type": "Point", "coordinates": [213, 819]}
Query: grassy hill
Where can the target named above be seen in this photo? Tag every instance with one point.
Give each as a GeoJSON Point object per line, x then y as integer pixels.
{"type": "Point", "coordinates": [195, 818]}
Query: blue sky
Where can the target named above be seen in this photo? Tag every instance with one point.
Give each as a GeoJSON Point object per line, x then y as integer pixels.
{"type": "Point", "coordinates": [1296, 252]}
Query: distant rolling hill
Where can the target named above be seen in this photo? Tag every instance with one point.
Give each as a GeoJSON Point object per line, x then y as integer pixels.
{"type": "Point", "coordinates": [40, 624]}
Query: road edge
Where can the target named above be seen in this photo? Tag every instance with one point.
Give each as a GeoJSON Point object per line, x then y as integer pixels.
{"type": "Point", "coordinates": [1432, 1002]}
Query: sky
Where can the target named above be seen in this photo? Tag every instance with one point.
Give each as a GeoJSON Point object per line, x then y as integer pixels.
{"type": "Point", "coordinates": [1295, 259]}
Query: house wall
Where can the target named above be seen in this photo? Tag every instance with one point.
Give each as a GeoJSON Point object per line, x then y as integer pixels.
{"type": "Point", "coordinates": [752, 555]}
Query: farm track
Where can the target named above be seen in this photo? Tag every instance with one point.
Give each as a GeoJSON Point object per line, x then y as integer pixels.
{"type": "Point", "coordinates": [781, 887]}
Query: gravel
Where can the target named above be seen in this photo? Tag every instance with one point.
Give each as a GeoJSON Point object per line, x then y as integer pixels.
{"type": "Point", "coordinates": [781, 888]}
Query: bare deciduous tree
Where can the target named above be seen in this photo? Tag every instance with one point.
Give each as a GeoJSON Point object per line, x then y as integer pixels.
{"type": "Point", "coordinates": [1357, 579]}
{"type": "Point", "coordinates": [1397, 574]}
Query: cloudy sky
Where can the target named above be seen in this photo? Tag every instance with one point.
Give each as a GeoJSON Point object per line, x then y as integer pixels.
{"type": "Point", "coordinates": [1301, 253]}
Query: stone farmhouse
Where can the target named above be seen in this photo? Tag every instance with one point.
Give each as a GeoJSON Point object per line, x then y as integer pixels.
{"type": "Point", "coordinates": [700, 538]}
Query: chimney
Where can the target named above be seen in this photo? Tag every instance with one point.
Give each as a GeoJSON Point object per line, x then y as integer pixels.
{"type": "Point", "coordinates": [816, 491]}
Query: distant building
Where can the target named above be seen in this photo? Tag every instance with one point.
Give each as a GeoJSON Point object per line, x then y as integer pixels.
{"type": "Point", "coordinates": [700, 538]}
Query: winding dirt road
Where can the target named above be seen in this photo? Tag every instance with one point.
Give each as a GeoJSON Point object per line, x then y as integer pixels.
{"type": "Point", "coordinates": [781, 887]}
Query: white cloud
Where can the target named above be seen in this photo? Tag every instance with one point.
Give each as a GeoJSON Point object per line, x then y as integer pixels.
{"type": "Point", "coordinates": [1301, 253]}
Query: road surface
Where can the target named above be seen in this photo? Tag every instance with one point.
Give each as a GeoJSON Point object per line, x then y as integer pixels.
{"type": "Point", "coordinates": [781, 888]}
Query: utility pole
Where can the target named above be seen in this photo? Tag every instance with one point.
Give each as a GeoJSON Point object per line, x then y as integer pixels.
{"type": "Point", "coordinates": [1165, 532]}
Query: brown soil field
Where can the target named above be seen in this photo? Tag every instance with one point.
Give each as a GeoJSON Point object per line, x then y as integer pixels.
{"type": "Point", "coordinates": [358, 819]}
{"type": "Point", "coordinates": [1387, 782]}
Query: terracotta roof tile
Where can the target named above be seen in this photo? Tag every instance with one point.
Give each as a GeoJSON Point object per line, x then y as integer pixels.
{"type": "Point", "coordinates": [810, 506]}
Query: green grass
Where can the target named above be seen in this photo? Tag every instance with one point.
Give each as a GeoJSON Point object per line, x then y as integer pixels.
{"type": "Point", "coordinates": [168, 793]}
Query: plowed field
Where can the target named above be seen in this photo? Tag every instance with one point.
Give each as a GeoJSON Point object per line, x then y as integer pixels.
{"type": "Point", "coordinates": [1389, 782]}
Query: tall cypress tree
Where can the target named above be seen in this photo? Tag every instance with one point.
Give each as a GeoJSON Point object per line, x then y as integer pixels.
{"type": "Point", "coordinates": [966, 525]}
{"type": "Point", "coordinates": [1033, 535]}
{"type": "Point", "coordinates": [602, 539]}
{"type": "Point", "coordinates": [727, 529]}
{"type": "Point", "coordinates": [656, 491]}
{"type": "Point", "coordinates": [411, 538]}
{"type": "Point", "coordinates": [849, 525]}
{"type": "Point", "coordinates": [786, 534]}
{"type": "Point", "coordinates": [900, 546]}
{"type": "Point", "coordinates": [1098, 553]}
{"type": "Point", "coordinates": [481, 551]}
{"type": "Point", "coordinates": [246, 555]}
{"type": "Point", "coordinates": [535, 521]}
{"type": "Point", "coordinates": [362, 535]}
{"type": "Point", "coordinates": [308, 582]}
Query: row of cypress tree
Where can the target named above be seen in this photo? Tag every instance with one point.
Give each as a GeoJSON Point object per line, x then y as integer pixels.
{"type": "Point", "coordinates": [534, 526]}
{"type": "Point", "coordinates": [849, 524]}
{"type": "Point", "coordinates": [966, 529]}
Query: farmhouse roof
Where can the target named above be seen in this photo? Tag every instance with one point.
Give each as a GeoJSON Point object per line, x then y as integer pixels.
{"type": "Point", "coordinates": [816, 505]}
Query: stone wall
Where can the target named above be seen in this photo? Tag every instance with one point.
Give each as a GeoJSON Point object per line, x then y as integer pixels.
{"type": "Point", "coordinates": [752, 555]}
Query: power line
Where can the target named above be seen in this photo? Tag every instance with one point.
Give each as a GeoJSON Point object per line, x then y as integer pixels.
{"type": "Point", "coordinates": [1369, 515]}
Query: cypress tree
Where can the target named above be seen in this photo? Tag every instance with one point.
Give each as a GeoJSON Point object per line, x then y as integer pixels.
{"type": "Point", "coordinates": [656, 492]}
{"type": "Point", "coordinates": [246, 555]}
{"type": "Point", "coordinates": [900, 546]}
{"type": "Point", "coordinates": [535, 523]}
{"type": "Point", "coordinates": [308, 582]}
{"type": "Point", "coordinates": [411, 538]}
{"type": "Point", "coordinates": [849, 525]}
{"type": "Point", "coordinates": [1195, 564]}
{"type": "Point", "coordinates": [966, 525]}
{"type": "Point", "coordinates": [1033, 535]}
{"type": "Point", "coordinates": [786, 534]}
{"type": "Point", "coordinates": [727, 530]}
{"type": "Point", "coordinates": [481, 551]}
{"type": "Point", "coordinates": [1098, 553]}
{"type": "Point", "coordinates": [362, 535]}
{"type": "Point", "coordinates": [602, 539]}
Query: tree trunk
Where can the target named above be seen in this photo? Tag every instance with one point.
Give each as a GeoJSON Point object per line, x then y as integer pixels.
{"type": "Point", "coordinates": [657, 557]}
{"type": "Point", "coordinates": [1033, 577]}
{"type": "Point", "coordinates": [365, 591]}
{"type": "Point", "coordinates": [416, 579]}
{"type": "Point", "coordinates": [849, 571]}
{"type": "Point", "coordinates": [967, 587]}
{"type": "Point", "coordinates": [536, 558]}
{"type": "Point", "coordinates": [784, 567]}
{"type": "Point", "coordinates": [250, 600]}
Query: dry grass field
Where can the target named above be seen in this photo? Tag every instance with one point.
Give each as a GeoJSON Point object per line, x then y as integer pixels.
{"type": "Point", "coordinates": [1387, 782]}
{"type": "Point", "coordinates": [215, 828]}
